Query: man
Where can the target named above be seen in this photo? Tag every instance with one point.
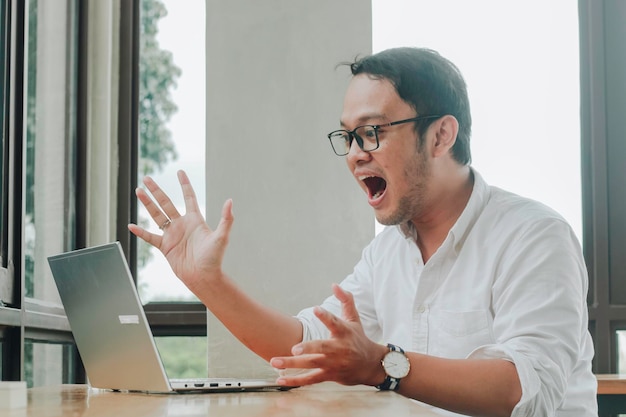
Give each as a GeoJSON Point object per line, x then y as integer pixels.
{"type": "Point", "coordinates": [477, 295]}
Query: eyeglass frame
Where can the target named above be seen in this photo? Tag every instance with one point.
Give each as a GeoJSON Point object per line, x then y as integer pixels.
{"type": "Point", "coordinates": [353, 136]}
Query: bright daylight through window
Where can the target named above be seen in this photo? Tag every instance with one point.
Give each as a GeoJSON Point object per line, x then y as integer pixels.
{"type": "Point", "coordinates": [171, 137]}
{"type": "Point", "coordinates": [523, 86]}
{"type": "Point", "coordinates": [169, 59]}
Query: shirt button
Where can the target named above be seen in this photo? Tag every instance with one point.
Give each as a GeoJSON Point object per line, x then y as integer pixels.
{"type": "Point", "coordinates": [421, 309]}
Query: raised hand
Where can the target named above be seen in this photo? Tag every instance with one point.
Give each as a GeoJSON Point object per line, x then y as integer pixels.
{"type": "Point", "coordinates": [348, 357]}
{"type": "Point", "coordinates": [193, 250]}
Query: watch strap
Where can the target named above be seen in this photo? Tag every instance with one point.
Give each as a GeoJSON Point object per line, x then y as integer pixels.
{"type": "Point", "coordinates": [390, 383]}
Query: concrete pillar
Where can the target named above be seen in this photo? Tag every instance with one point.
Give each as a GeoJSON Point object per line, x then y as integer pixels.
{"type": "Point", "coordinates": [273, 93]}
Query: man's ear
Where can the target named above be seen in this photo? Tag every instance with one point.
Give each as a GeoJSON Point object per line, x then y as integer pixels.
{"type": "Point", "coordinates": [446, 130]}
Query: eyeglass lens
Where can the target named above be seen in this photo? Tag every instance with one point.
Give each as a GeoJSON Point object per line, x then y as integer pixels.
{"type": "Point", "coordinates": [365, 137]}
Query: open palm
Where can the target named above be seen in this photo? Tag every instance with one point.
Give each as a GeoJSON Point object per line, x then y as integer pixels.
{"type": "Point", "coordinates": [193, 250]}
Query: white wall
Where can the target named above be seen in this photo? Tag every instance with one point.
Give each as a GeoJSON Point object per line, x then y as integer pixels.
{"type": "Point", "coordinates": [273, 93]}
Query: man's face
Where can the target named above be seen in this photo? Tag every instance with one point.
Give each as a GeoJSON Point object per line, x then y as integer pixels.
{"type": "Point", "coordinates": [395, 175]}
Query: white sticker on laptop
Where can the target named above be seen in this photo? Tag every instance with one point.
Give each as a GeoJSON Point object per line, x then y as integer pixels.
{"type": "Point", "coordinates": [129, 319]}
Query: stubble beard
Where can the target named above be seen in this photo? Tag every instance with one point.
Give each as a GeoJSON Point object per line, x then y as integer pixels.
{"type": "Point", "coordinates": [412, 204]}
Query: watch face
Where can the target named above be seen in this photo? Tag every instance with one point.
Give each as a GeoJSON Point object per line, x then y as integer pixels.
{"type": "Point", "coordinates": [396, 364]}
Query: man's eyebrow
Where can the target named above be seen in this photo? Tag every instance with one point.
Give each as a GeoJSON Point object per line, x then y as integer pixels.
{"type": "Point", "coordinates": [367, 119]}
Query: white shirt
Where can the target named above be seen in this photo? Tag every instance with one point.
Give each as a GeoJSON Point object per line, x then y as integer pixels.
{"type": "Point", "coordinates": [509, 282]}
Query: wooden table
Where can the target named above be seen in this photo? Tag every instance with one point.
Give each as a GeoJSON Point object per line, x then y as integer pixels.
{"type": "Point", "coordinates": [611, 384]}
{"type": "Point", "coordinates": [327, 399]}
{"type": "Point", "coordinates": [611, 394]}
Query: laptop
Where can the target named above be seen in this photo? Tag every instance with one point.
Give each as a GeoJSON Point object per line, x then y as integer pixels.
{"type": "Point", "coordinates": [110, 327]}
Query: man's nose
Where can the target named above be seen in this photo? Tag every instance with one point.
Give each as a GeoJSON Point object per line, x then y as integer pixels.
{"type": "Point", "coordinates": [355, 153]}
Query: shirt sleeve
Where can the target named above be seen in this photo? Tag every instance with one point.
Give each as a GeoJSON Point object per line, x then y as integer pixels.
{"type": "Point", "coordinates": [540, 316]}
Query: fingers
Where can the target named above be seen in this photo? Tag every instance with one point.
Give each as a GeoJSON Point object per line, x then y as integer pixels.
{"type": "Point", "coordinates": [140, 232]}
{"type": "Point", "coordinates": [165, 205]}
{"type": "Point", "coordinates": [304, 361]}
{"type": "Point", "coordinates": [227, 211]}
{"type": "Point", "coordinates": [155, 212]}
{"type": "Point", "coordinates": [348, 308]}
{"type": "Point", "coordinates": [332, 322]}
{"type": "Point", "coordinates": [317, 361]}
{"type": "Point", "coordinates": [164, 209]}
{"type": "Point", "coordinates": [191, 202]}
{"type": "Point", "coordinates": [313, 376]}
{"type": "Point", "coordinates": [226, 222]}
{"type": "Point", "coordinates": [308, 369]}
{"type": "Point", "coordinates": [340, 358]}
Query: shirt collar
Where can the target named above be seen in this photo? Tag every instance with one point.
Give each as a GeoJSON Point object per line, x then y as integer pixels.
{"type": "Point", "coordinates": [475, 205]}
{"type": "Point", "coordinates": [461, 228]}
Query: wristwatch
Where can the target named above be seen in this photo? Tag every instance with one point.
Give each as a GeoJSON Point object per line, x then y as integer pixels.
{"type": "Point", "coordinates": [396, 366]}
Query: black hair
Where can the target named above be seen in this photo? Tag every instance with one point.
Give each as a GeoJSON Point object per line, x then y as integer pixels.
{"type": "Point", "coordinates": [429, 83]}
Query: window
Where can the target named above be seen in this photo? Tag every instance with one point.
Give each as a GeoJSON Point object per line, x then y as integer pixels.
{"type": "Point", "coordinates": [171, 137]}
{"type": "Point", "coordinates": [171, 123]}
{"type": "Point", "coordinates": [523, 87]}
{"type": "Point", "coordinates": [69, 110]}
{"type": "Point", "coordinates": [50, 143]}
{"type": "Point", "coordinates": [38, 109]}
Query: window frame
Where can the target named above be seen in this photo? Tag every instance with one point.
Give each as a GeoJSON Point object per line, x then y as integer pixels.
{"type": "Point", "coordinates": [602, 64]}
{"type": "Point", "coordinates": [11, 324]}
{"type": "Point", "coordinates": [24, 320]}
{"type": "Point", "coordinates": [4, 152]}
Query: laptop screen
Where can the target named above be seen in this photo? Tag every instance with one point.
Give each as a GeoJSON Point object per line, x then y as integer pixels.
{"type": "Point", "coordinates": [107, 319]}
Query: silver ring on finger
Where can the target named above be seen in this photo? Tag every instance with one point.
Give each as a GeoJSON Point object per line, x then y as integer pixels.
{"type": "Point", "coordinates": [165, 224]}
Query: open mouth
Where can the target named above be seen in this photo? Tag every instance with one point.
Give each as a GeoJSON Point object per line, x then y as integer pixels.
{"type": "Point", "coordinates": [376, 186]}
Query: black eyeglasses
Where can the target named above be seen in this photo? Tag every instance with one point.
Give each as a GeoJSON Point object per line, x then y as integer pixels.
{"type": "Point", "coordinates": [366, 136]}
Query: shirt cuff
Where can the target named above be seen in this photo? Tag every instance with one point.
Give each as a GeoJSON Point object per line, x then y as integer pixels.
{"type": "Point", "coordinates": [529, 380]}
{"type": "Point", "coordinates": [311, 329]}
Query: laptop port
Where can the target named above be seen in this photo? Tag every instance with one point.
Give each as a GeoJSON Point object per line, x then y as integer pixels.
{"type": "Point", "coordinates": [198, 385]}
{"type": "Point", "coordinates": [214, 385]}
